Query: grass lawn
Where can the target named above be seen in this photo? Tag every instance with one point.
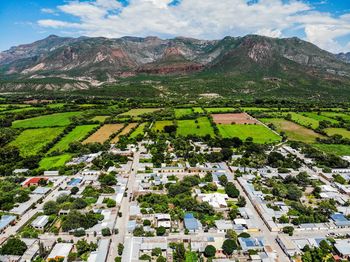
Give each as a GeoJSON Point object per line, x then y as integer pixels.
{"type": "Point", "coordinates": [51, 162]}
{"type": "Point", "coordinates": [139, 130]}
{"type": "Point", "coordinates": [139, 111]}
{"type": "Point", "coordinates": [158, 126]}
{"type": "Point", "coordinates": [77, 134]}
{"type": "Point", "coordinates": [99, 118]}
{"type": "Point", "coordinates": [31, 141]}
{"type": "Point", "coordinates": [340, 150]}
{"type": "Point", "coordinates": [57, 105]}
{"type": "Point", "coordinates": [320, 117]}
{"type": "Point", "coordinates": [190, 127]}
{"type": "Point", "coordinates": [180, 112]}
{"type": "Point", "coordinates": [259, 133]}
{"type": "Point", "coordinates": [292, 130]}
{"type": "Point", "coordinates": [59, 119]}
{"type": "Point", "coordinates": [338, 131]}
{"type": "Point", "coordinates": [103, 134]}
{"type": "Point", "coordinates": [219, 109]}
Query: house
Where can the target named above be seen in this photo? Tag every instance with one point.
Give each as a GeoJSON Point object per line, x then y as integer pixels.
{"type": "Point", "coordinates": [20, 171]}
{"type": "Point", "coordinates": [34, 181]}
{"type": "Point", "coordinates": [288, 247]}
{"type": "Point", "coordinates": [191, 223]}
{"type": "Point", "coordinates": [223, 225]}
{"type": "Point", "coordinates": [251, 243]}
{"type": "Point", "coordinates": [340, 220]}
{"type": "Point", "coordinates": [51, 173]}
{"type": "Point", "coordinates": [41, 190]}
{"type": "Point", "coordinates": [163, 220]}
{"type": "Point", "coordinates": [216, 200]}
{"type": "Point", "coordinates": [60, 251]}
{"type": "Point", "coordinates": [101, 254]}
{"type": "Point", "coordinates": [40, 222]}
{"type": "Point", "coordinates": [343, 248]}
{"type": "Point", "coordinates": [5, 221]}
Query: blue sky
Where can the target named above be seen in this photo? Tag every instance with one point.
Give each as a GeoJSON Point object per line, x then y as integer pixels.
{"type": "Point", "coordinates": [325, 23]}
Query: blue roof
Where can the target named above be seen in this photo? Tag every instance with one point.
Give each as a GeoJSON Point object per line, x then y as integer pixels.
{"type": "Point", "coordinates": [74, 182]}
{"type": "Point", "coordinates": [338, 217]}
{"type": "Point", "coordinates": [6, 220]}
{"type": "Point", "coordinates": [190, 222]}
{"type": "Point", "coordinates": [251, 243]}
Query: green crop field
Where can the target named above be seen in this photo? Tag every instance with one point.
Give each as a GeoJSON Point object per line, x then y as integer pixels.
{"type": "Point", "coordinates": [259, 133]}
{"type": "Point", "coordinates": [340, 150]}
{"type": "Point", "coordinates": [335, 115]}
{"type": "Point", "coordinates": [211, 110]}
{"type": "Point", "coordinates": [303, 120]}
{"type": "Point", "coordinates": [139, 130]}
{"type": "Point", "coordinates": [59, 119]}
{"type": "Point", "coordinates": [158, 126]}
{"type": "Point", "coordinates": [140, 111]}
{"type": "Point", "coordinates": [338, 131]}
{"type": "Point", "coordinates": [259, 109]}
{"type": "Point", "coordinates": [51, 162]}
{"type": "Point", "coordinates": [56, 105]}
{"type": "Point", "coordinates": [20, 110]}
{"type": "Point", "coordinates": [180, 112]}
{"type": "Point", "coordinates": [99, 118]}
{"type": "Point", "coordinates": [198, 110]}
{"type": "Point", "coordinates": [77, 134]}
{"type": "Point", "coordinates": [31, 141]}
{"type": "Point", "coordinates": [190, 127]}
{"type": "Point", "coordinates": [320, 117]}
{"type": "Point", "coordinates": [292, 130]}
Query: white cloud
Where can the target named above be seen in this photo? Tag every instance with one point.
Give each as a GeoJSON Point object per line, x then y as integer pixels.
{"type": "Point", "coordinates": [47, 11]}
{"type": "Point", "coordinates": [207, 19]}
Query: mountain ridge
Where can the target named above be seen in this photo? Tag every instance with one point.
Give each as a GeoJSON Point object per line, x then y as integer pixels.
{"type": "Point", "coordinates": [98, 60]}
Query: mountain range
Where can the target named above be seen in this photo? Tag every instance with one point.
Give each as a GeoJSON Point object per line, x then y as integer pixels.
{"type": "Point", "coordinates": [62, 63]}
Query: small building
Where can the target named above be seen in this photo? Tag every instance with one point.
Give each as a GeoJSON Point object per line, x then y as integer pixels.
{"type": "Point", "coordinates": [223, 225]}
{"type": "Point", "coordinates": [251, 243]}
{"type": "Point", "coordinates": [288, 247]}
{"type": "Point", "coordinates": [60, 251]}
{"type": "Point", "coordinates": [41, 190]}
{"type": "Point", "coordinates": [163, 220]}
{"type": "Point", "coordinates": [51, 173]}
{"type": "Point", "coordinates": [343, 248]}
{"type": "Point", "coordinates": [191, 223]}
{"type": "Point", "coordinates": [20, 171]}
{"type": "Point", "coordinates": [101, 254]}
{"type": "Point", "coordinates": [340, 220]}
{"type": "Point", "coordinates": [5, 221]}
{"type": "Point", "coordinates": [40, 222]}
{"type": "Point", "coordinates": [34, 181]}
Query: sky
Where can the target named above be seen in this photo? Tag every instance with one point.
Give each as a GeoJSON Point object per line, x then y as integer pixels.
{"type": "Point", "coordinates": [325, 23]}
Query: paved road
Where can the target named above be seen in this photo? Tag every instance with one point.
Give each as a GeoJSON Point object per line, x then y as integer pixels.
{"type": "Point", "coordinates": [121, 223]}
{"type": "Point", "coordinates": [270, 237]}
{"type": "Point", "coordinates": [31, 212]}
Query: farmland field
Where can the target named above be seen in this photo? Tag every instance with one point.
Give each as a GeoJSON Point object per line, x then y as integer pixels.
{"type": "Point", "coordinates": [190, 127]}
{"type": "Point", "coordinates": [48, 163]}
{"type": "Point", "coordinates": [102, 135]}
{"type": "Point", "coordinates": [159, 125]}
{"type": "Point", "coordinates": [139, 111]}
{"type": "Point", "coordinates": [338, 131]}
{"type": "Point", "coordinates": [180, 112]}
{"type": "Point", "coordinates": [59, 119]}
{"type": "Point", "coordinates": [320, 117]}
{"type": "Point", "coordinates": [125, 131]}
{"type": "Point", "coordinates": [303, 120]}
{"type": "Point", "coordinates": [259, 133]}
{"type": "Point", "coordinates": [99, 118]}
{"type": "Point", "coordinates": [77, 134]}
{"type": "Point", "coordinates": [335, 115]}
{"type": "Point", "coordinates": [139, 130]}
{"type": "Point", "coordinates": [219, 109]}
{"type": "Point", "coordinates": [237, 118]}
{"type": "Point", "coordinates": [198, 110]}
{"type": "Point", "coordinates": [31, 141]}
{"type": "Point", "coordinates": [259, 109]}
{"type": "Point", "coordinates": [292, 130]}
{"type": "Point", "coordinates": [340, 150]}
{"type": "Point", "coordinates": [19, 110]}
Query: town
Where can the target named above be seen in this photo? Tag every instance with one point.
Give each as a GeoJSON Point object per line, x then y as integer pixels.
{"type": "Point", "coordinates": [208, 184]}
